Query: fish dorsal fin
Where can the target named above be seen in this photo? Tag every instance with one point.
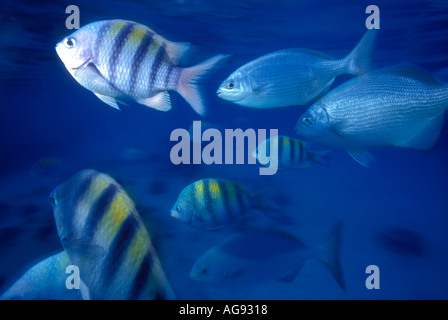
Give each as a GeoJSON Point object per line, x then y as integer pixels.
{"type": "Point", "coordinates": [176, 50]}
{"type": "Point", "coordinates": [308, 52]}
{"type": "Point", "coordinates": [412, 71]}
{"type": "Point", "coordinates": [160, 101]}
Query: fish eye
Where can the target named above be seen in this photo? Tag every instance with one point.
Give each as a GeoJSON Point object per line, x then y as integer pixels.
{"type": "Point", "coordinates": [307, 121]}
{"type": "Point", "coordinates": [69, 42]}
{"type": "Point", "coordinates": [53, 199]}
{"type": "Point", "coordinates": [229, 85]}
{"type": "Point", "coordinates": [179, 209]}
{"type": "Point", "coordinates": [204, 270]}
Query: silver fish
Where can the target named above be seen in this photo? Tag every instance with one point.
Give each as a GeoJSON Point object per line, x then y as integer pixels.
{"type": "Point", "coordinates": [400, 106]}
{"type": "Point", "coordinates": [44, 281]}
{"type": "Point", "coordinates": [292, 76]}
{"type": "Point", "coordinates": [124, 60]}
{"type": "Point", "coordinates": [257, 257]}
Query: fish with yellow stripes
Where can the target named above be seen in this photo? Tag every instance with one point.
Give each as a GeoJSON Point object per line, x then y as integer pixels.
{"type": "Point", "coordinates": [104, 236]}
{"type": "Point", "coordinates": [214, 203]}
{"type": "Point", "coordinates": [292, 153]}
{"type": "Point", "coordinates": [122, 60]}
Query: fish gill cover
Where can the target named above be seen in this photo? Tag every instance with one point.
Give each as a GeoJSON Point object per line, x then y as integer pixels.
{"type": "Point", "coordinates": [134, 153]}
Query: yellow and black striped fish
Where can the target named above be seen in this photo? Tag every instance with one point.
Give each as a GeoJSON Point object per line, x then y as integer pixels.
{"type": "Point", "coordinates": [118, 59]}
{"type": "Point", "coordinates": [292, 153]}
{"type": "Point", "coordinates": [103, 235]}
{"type": "Point", "coordinates": [213, 203]}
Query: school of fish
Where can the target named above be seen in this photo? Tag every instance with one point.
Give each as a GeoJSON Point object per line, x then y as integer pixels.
{"type": "Point", "coordinates": [97, 223]}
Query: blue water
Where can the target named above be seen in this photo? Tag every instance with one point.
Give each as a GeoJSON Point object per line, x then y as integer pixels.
{"type": "Point", "coordinates": [395, 214]}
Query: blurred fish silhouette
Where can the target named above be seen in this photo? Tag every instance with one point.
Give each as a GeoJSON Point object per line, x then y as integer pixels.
{"type": "Point", "coordinates": [133, 155]}
{"type": "Point", "coordinates": [402, 241]}
{"type": "Point", "coordinates": [292, 153]}
{"type": "Point", "coordinates": [293, 76]}
{"type": "Point", "coordinates": [47, 168]}
{"type": "Point", "coordinates": [44, 281]}
{"type": "Point", "coordinates": [118, 59]}
{"type": "Point", "coordinates": [264, 256]}
{"type": "Point", "coordinates": [104, 236]}
{"type": "Point", "coordinates": [400, 106]}
{"type": "Point", "coordinates": [214, 203]}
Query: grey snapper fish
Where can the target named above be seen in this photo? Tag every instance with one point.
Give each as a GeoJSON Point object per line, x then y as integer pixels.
{"type": "Point", "coordinates": [292, 76]}
{"type": "Point", "coordinates": [104, 236]}
{"type": "Point", "coordinates": [292, 153]}
{"type": "Point", "coordinates": [124, 60]}
{"type": "Point", "coordinates": [44, 281]}
{"type": "Point", "coordinates": [267, 255]}
{"type": "Point", "coordinates": [400, 106]}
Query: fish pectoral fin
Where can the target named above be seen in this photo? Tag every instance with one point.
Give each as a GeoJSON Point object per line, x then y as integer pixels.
{"type": "Point", "coordinates": [160, 101]}
{"type": "Point", "coordinates": [85, 292]}
{"type": "Point", "coordinates": [263, 89]}
{"type": "Point", "coordinates": [291, 274]}
{"type": "Point", "coordinates": [236, 273]}
{"type": "Point", "coordinates": [84, 252]}
{"type": "Point", "coordinates": [90, 72]}
{"type": "Point", "coordinates": [363, 157]}
{"type": "Point", "coordinates": [426, 134]}
{"type": "Point", "coordinates": [111, 101]}
{"type": "Point", "coordinates": [340, 128]}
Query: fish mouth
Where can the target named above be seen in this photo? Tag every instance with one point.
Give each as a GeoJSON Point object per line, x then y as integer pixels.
{"type": "Point", "coordinates": [174, 214]}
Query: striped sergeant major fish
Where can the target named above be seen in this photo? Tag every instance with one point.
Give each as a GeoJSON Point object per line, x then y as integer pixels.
{"type": "Point", "coordinates": [104, 236]}
{"type": "Point", "coordinates": [124, 60]}
{"type": "Point", "coordinates": [292, 153]}
{"type": "Point", "coordinates": [45, 280]}
{"type": "Point", "coordinates": [214, 203]}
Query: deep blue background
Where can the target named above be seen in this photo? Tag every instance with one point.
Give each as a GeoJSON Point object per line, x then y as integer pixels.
{"type": "Point", "coordinates": [395, 214]}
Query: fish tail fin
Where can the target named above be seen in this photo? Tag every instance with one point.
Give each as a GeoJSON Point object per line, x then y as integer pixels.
{"type": "Point", "coordinates": [329, 255]}
{"type": "Point", "coordinates": [320, 157]}
{"type": "Point", "coordinates": [360, 59]}
{"type": "Point", "coordinates": [187, 87]}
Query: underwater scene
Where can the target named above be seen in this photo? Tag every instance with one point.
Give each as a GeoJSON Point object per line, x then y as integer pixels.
{"type": "Point", "coordinates": [223, 150]}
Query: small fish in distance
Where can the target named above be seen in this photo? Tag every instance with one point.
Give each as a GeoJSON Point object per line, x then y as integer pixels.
{"type": "Point", "coordinates": [123, 60]}
{"type": "Point", "coordinates": [214, 203]}
{"type": "Point", "coordinates": [292, 153]}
